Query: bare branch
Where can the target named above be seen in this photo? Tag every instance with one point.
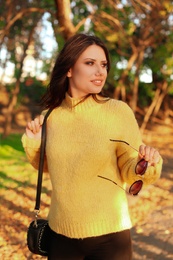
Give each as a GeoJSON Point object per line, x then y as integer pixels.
{"type": "Point", "coordinates": [92, 9]}
{"type": "Point", "coordinates": [18, 16]}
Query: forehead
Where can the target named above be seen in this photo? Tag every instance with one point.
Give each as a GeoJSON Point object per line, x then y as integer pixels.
{"type": "Point", "coordinates": [94, 52]}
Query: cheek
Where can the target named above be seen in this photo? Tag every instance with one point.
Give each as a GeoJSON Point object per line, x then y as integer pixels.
{"type": "Point", "coordinates": [83, 72]}
{"type": "Point", "coordinates": [77, 72]}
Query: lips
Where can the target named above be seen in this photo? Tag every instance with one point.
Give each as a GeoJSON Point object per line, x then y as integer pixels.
{"type": "Point", "coordinates": [97, 82]}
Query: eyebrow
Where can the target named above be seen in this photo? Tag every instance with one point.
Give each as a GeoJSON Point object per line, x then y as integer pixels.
{"type": "Point", "coordinates": [94, 59]}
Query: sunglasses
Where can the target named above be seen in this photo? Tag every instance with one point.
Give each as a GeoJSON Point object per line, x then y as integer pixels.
{"type": "Point", "coordinates": [140, 169]}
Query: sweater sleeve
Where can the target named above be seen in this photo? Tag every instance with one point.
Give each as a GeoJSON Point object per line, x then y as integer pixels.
{"type": "Point", "coordinates": [127, 157]}
{"type": "Point", "coordinates": [32, 150]}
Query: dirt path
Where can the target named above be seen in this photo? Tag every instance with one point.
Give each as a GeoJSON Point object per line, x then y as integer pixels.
{"type": "Point", "coordinates": [152, 212]}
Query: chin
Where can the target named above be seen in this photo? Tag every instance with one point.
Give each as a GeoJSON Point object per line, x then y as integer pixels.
{"type": "Point", "coordinates": [97, 91]}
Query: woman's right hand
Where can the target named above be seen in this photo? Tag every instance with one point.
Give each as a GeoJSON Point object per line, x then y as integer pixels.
{"type": "Point", "coordinates": [33, 128]}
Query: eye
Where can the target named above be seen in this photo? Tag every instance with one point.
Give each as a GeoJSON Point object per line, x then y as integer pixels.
{"type": "Point", "coordinates": [89, 63]}
{"type": "Point", "coordinates": [105, 65]}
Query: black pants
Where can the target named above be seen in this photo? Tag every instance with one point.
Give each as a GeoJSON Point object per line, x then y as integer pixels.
{"type": "Point", "coordinates": [115, 246]}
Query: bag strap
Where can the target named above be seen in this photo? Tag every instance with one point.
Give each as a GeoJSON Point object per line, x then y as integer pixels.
{"type": "Point", "coordinates": [41, 162]}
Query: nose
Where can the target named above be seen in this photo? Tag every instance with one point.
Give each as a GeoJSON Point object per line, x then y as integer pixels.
{"type": "Point", "coordinates": [99, 70]}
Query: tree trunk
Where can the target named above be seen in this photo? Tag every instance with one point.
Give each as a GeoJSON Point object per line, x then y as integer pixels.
{"type": "Point", "coordinates": [15, 92]}
{"type": "Point", "coordinates": [134, 99]}
{"type": "Point", "coordinates": [150, 110]}
{"type": "Point", "coordinates": [161, 98]}
{"type": "Point", "coordinates": [63, 15]}
{"type": "Point", "coordinates": [120, 90]}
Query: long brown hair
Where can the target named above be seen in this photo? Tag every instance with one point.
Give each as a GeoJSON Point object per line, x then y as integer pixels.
{"type": "Point", "coordinates": [68, 56]}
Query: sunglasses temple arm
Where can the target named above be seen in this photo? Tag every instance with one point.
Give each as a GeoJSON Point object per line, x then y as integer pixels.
{"type": "Point", "coordinates": [112, 182]}
{"type": "Point", "coordinates": [120, 141]}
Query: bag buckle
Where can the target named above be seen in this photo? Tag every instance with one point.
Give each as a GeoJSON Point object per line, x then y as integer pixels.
{"type": "Point", "coordinates": [36, 217]}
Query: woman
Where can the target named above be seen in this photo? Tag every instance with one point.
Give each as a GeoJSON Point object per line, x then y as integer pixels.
{"type": "Point", "coordinates": [90, 142]}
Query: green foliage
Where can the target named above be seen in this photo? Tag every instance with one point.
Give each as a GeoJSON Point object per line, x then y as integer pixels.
{"type": "Point", "coordinates": [146, 93]}
{"type": "Point", "coordinates": [170, 90]}
{"type": "Point", "coordinates": [125, 28]}
{"type": "Point", "coordinates": [31, 90]}
{"type": "Point", "coordinates": [79, 11]}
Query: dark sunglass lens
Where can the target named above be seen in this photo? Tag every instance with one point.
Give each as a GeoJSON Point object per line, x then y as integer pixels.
{"type": "Point", "coordinates": [135, 187]}
{"type": "Point", "coordinates": [141, 167]}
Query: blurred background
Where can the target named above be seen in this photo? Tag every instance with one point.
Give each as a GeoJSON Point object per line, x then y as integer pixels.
{"type": "Point", "coordinates": [139, 36]}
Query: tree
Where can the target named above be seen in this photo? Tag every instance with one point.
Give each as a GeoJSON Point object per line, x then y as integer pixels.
{"type": "Point", "coordinates": [132, 29]}
{"type": "Point", "coordinates": [16, 37]}
{"type": "Point", "coordinates": [63, 13]}
{"type": "Point", "coordinates": [137, 33]}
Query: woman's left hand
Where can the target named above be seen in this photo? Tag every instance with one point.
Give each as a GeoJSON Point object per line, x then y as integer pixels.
{"type": "Point", "coordinates": [150, 154]}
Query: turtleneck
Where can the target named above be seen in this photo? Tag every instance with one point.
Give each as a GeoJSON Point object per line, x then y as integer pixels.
{"type": "Point", "coordinates": [80, 104]}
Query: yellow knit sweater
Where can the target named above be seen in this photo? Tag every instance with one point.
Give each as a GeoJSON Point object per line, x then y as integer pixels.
{"type": "Point", "coordinates": [79, 149]}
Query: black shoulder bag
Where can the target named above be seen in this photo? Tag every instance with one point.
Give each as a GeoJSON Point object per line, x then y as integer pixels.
{"type": "Point", "coordinates": [38, 230]}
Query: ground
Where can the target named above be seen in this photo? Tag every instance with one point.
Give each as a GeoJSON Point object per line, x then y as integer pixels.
{"type": "Point", "coordinates": [151, 211]}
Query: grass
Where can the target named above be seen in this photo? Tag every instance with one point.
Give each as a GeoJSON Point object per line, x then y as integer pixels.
{"type": "Point", "coordinates": [18, 181]}
{"type": "Point", "coordinates": [13, 141]}
{"type": "Point", "coordinates": [15, 171]}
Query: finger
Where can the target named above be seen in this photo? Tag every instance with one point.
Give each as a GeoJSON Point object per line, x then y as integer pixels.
{"type": "Point", "coordinates": [151, 152]}
{"type": "Point", "coordinates": [36, 125]}
{"type": "Point", "coordinates": [32, 126]}
{"type": "Point", "coordinates": [41, 119]}
{"type": "Point", "coordinates": [147, 152]}
{"type": "Point", "coordinates": [156, 158]}
{"type": "Point", "coordinates": [142, 151]}
{"type": "Point", "coordinates": [29, 125]}
{"type": "Point", "coordinates": [153, 156]}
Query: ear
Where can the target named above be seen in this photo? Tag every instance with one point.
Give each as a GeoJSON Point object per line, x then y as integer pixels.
{"type": "Point", "coordinates": [69, 73]}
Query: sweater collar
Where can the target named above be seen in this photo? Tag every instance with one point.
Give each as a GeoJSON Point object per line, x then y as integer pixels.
{"type": "Point", "coordinates": [77, 104]}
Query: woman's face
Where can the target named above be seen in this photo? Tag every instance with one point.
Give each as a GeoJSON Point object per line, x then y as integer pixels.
{"type": "Point", "coordinates": [89, 73]}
